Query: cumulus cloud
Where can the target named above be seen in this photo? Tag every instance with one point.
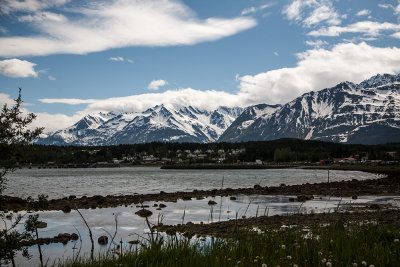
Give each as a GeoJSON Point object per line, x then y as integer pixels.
{"type": "Point", "coordinates": [364, 12]}
{"type": "Point", "coordinates": [156, 84]}
{"type": "Point", "coordinates": [51, 78]}
{"type": "Point", "coordinates": [17, 68]}
{"type": "Point", "coordinates": [369, 28]}
{"type": "Point", "coordinates": [316, 69]}
{"type": "Point", "coordinates": [320, 68]}
{"type": "Point", "coordinates": [312, 12]}
{"type": "Point", "coordinates": [119, 23]}
{"type": "Point", "coordinates": [51, 122]}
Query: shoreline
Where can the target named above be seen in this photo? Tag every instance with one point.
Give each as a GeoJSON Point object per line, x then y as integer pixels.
{"type": "Point", "coordinates": [388, 185]}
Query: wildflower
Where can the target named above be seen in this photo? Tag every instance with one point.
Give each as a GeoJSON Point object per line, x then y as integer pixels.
{"type": "Point", "coordinates": [295, 265]}
{"type": "Point", "coordinates": [320, 253]}
{"type": "Point", "coordinates": [229, 259]}
{"type": "Point", "coordinates": [323, 260]}
{"type": "Point", "coordinates": [331, 241]}
{"type": "Point", "coordinates": [283, 247]}
{"type": "Point", "coordinates": [289, 257]}
{"type": "Point", "coordinates": [371, 265]}
{"type": "Point", "coordinates": [396, 240]}
{"type": "Point", "coordinates": [355, 264]}
{"type": "Point", "coordinates": [238, 262]}
{"type": "Point", "coordinates": [255, 260]}
{"type": "Point", "coordinates": [263, 265]}
{"type": "Point", "coordinates": [364, 263]}
{"type": "Point", "coordinates": [328, 264]}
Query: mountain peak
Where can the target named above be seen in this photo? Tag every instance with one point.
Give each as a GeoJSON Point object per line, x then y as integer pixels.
{"type": "Point", "coordinates": [379, 80]}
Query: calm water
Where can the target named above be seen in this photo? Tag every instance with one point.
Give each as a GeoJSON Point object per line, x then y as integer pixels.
{"type": "Point", "coordinates": [130, 226]}
{"type": "Point", "coordinates": [58, 183]}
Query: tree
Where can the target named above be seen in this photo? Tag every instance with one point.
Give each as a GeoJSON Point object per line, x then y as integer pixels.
{"type": "Point", "coordinates": [13, 136]}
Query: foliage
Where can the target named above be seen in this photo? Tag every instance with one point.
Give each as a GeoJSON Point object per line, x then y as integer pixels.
{"type": "Point", "coordinates": [377, 245]}
{"type": "Point", "coordinates": [11, 241]}
{"type": "Point", "coordinates": [13, 135]}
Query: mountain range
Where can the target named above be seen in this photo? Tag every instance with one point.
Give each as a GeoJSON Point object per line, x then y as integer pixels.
{"type": "Point", "coordinates": [365, 113]}
{"type": "Point", "coordinates": [160, 123]}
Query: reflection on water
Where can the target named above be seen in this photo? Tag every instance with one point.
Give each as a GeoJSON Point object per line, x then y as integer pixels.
{"type": "Point", "coordinates": [130, 225]}
{"type": "Point", "coordinates": [57, 183]}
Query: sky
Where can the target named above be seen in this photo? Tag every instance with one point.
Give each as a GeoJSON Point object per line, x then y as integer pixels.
{"type": "Point", "coordinates": [73, 58]}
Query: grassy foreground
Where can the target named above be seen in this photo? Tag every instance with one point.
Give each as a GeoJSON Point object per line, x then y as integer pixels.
{"type": "Point", "coordinates": [339, 244]}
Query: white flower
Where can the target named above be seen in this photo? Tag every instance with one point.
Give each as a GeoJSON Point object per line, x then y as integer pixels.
{"type": "Point", "coordinates": [364, 263]}
{"type": "Point", "coordinates": [371, 265]}
{"type": "Point", "coordinates": [355, 264]}
{"type": "Point", "coordinates": [323, 260]}
{"type": "Point", "coordinates": [396, 240]}
{"type": "Point", "coordinates": [288, 257]}
{"type": "Point", "coordinates": [283, 247]}
{"type": "Point", "coordinates": [295, 265]}
{"type": "Point", "coordinates": [328, 264]}
{"type": "Point", "coordinates": [263, 265]}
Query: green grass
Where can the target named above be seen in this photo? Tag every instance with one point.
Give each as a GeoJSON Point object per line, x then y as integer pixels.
{"type": "Point", "coordinates": [337, 244]}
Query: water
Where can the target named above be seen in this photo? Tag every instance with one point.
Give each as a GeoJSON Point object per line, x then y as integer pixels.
{"type": "Point", "coordinates": [130, 226]}
{"type": "Point", "coordinates": [58, 183]}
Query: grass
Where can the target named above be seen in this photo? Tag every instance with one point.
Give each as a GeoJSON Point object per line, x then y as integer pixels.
{"type": "Point", "coordinates": [335, 245]}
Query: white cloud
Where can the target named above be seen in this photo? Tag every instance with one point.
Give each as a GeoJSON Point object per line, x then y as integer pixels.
{"type": "Point", "coordinates": [130, 60]}
{"type": "Point", "coordinates": [384, 5]}
{"type": "Point", "coordinates": [251, 10]}
{"type": "Point", "coordinates": [323, 13]}
{"type": "Point", "coordinates": [369, 28]}
{"type": "Point", "coordinates": [276, 53]}
{"type": "Point", "coordinates": [312, 12]}
{"type": "Point", "coordinates": [156, 84]}
{"type": "Point", "coordinates": [69, 101]}
{"type": "Point", "coordinates": [320, 68]}
{"type": "Point", "coordinates": [43, 16]}
{"type": "Point", "coordinates": [395, 8]}
{"type": "Point", "coordinates": [116, 59]}
{"type": "Point", "coordinates": [316, 69]}
{"type": "Point", "coordinates": [51, 78]}
{"type": "Point", "coordinates": [317, 43]}
{"type": "Point", "coordinates": [51, 122]}
{"type": "Point", "coordinates": [396, 35]}
{"type": "Point", "coordinates": [121, 23]}
{"type": "Point", "coordinates": [17, 68]}
{"type": "Point", "coordinates": [8, 6]}
{"type": "Point", "coordinates": [5, 99]}
{"type": "Point", "coordinates": [364, 12]}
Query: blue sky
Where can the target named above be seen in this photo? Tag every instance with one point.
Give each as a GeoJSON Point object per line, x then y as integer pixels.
{"type": "Point", "coordinates": [73, 58]}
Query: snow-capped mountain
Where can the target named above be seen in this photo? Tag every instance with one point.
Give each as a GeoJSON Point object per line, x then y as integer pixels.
{"type": "Point", "coordinates": [246, 119]}
{"type": "Point", "coordinates": [367, 113]}
{"type": "Point", "coordinates": [160, 123]}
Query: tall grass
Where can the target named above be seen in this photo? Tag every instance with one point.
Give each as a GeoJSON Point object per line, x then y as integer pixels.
{"type": "Point", "coordinates": [335, 245]}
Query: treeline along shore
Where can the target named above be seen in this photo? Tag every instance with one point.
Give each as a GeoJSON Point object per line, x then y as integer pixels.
{"type": "Point", "coordinates": [276, 151]}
